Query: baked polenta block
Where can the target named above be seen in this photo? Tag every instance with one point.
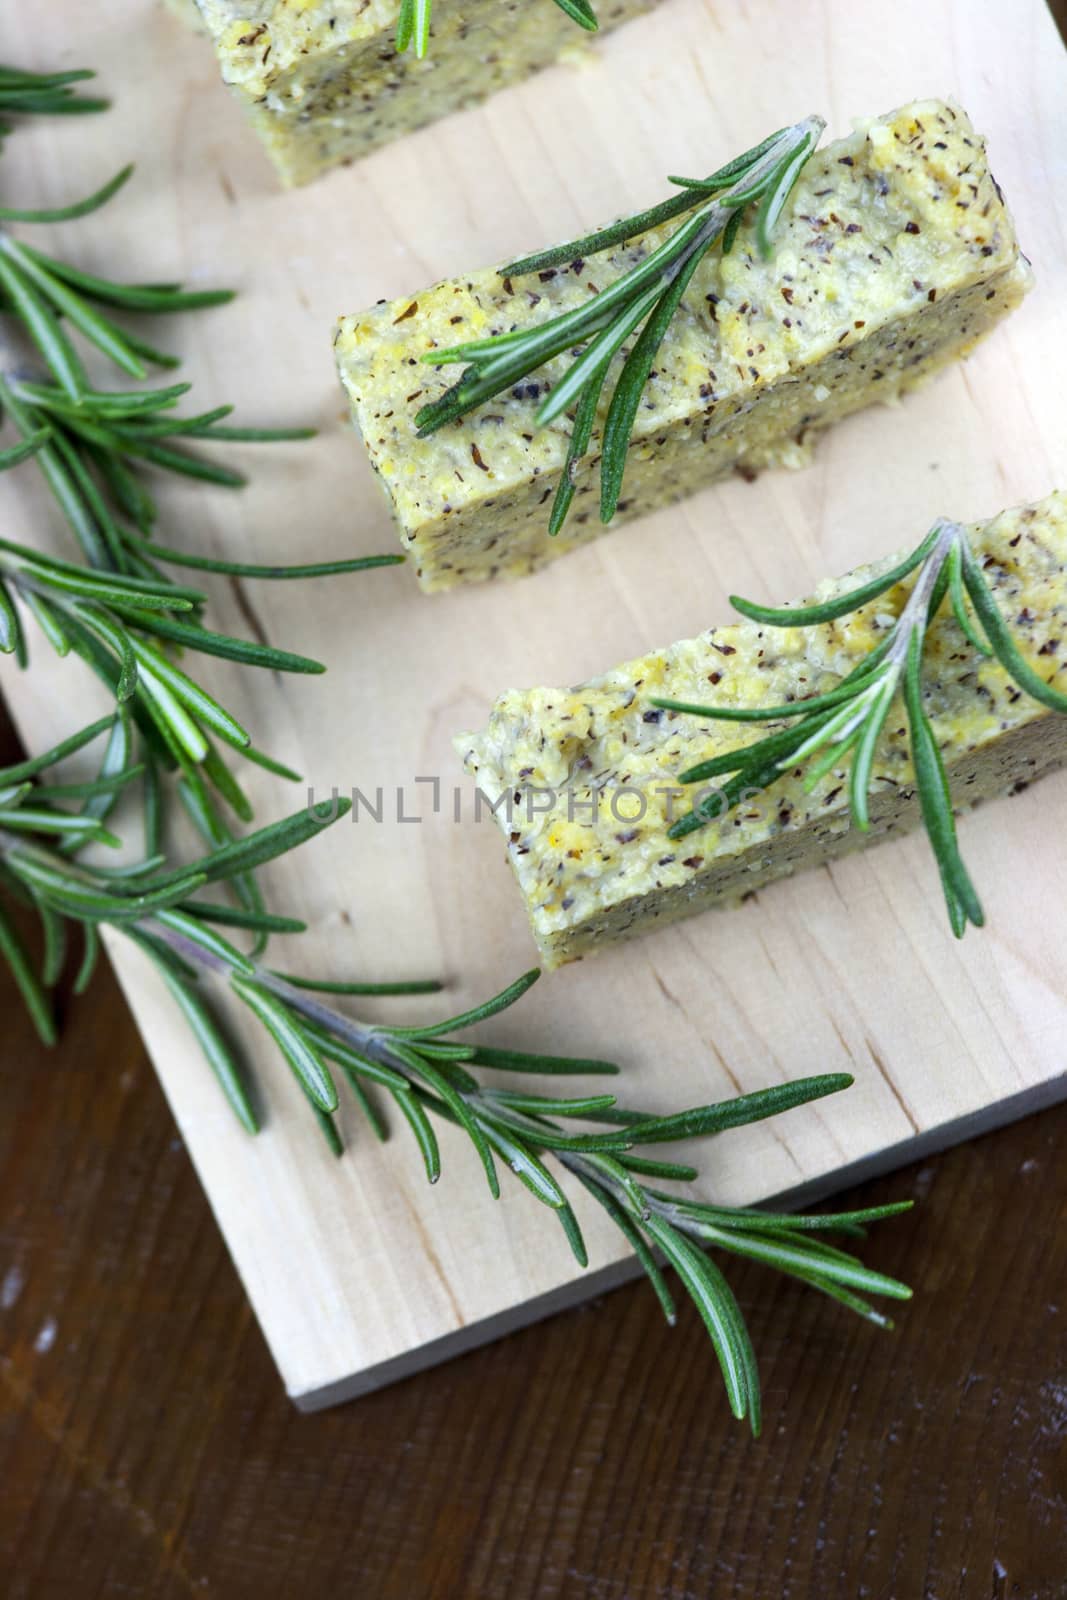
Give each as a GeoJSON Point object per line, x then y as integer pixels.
{"type": "Point", "coordinates": [322, 82]}
{"type": "Point", "coordinates": [895, 254]}
{"type": "Point", "coordinates": [584, 781]}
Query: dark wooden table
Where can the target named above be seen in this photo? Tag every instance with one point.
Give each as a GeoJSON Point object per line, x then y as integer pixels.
{"type": "Point", "coordinates": [146, 1447]}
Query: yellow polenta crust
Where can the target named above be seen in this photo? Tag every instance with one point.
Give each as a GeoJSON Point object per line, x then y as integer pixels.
{"type": "Point", "coordinates": [895, 254]}
{"type": "Point", "coordinates": [323, 84]}
{"type": "Point", "coordinates": [591, 875]}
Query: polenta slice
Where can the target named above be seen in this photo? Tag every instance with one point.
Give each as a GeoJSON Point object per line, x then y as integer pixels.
{"type": "Point", "coordinates": [894, 255]}
{"type": "Point", "coordinates": [584, 781]}
{"type": "Point", "coordinates": [323, 84]}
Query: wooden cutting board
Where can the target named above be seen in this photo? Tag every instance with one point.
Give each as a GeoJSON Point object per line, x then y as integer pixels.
{"type": "Point", "coordinates": [357, 1270]}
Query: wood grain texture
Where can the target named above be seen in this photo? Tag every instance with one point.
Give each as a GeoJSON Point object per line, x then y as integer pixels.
{"type": "Point", "coordinates": [848, 968]}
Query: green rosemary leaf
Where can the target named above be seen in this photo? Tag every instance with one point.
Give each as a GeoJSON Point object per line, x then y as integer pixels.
{"type": "Point", "coordinates": [622, 412]}
{"type": "Point", "coordinates": [217, 1051]}
{"type": "Point", "coordinates": [58, 752]}
{"type": "Point", "coordinates": [841, 605]}
{"type": "Point", "coordinates": [422, 1128]}
{"type": "Point", "coordinates": [413, 25]}
{"type": "Point", "coordinates": [645, 1166]}
{"type": "Point", "coordinates": [16, 453]}
{"type": "Point", "coordinates": [269, 764]}
{"type": "Point", "coordinates": [581, 433]}
{"type": "Point", "coordinates": [237, 917]}
{"type": "Point", "coordinates": [636, 1239]}
{"type": "Point", "coordinates": [581, 12]}
{"type": "Point", "coordinates": [526, 1166]}
{"type": "Point", "coordinates": [759, 766]}
{"type": "Point", "coordinates": [307, 1064]}
{"type": "Point", "coordinates": [48, 620]}
{"type": "Point", "coordinates": [567, 1218]}
{"type": "Point", "coordinates": [531, 1061]}
{"type": "Point", "coordinates": [43, 325]}
{"type": "Point", "coordinates": [34, 819]}
{"type": "Point", "coordinates": [323, 986]}
{"type": "Point", "coordinates": [91, 324]}
{"type": "Point", "coordinates": [936, 802]}
{"type": "Point", "coordinates": [775, 198]}
{"type": "Point", "coordinates": [330, 1132]}
{"type": "Point", "coordinates": [225, 784]}
{"type": "Point", "coordinates": [181, 462]}
{"type": "Point", "coordinates": [155, 298]}
{"type": "Point", "coordinates": [33, 995]}
{"type": "Point", "coordinates": [866, 746]}
{"type": "Point", "coordinates": [457, 1105]}
{"type": "Point", "coordinates": [90, 952]}
{"type": "Point", "coordinates": [838, 1268]}
{"type": "Point", "coordinates": [546, 1106]}
{"type": "Point", "coordinates": [149, 352]}
{"type": "Point", "coordinates": [46, 93]}
{"type": "Point", "coordinates": [111, 590]}
{"type": "Point", "coordinates": [92, 505]}
{"type": "Point", "coordinates": [592, 365]}
{"type": "Point", "coordinates": [708, 1290]}
{"type": "Point", "coordinates": [244, 569]}
{"type": "Point", "coordinates": [81, 898]}
{"type": "Point", "coordinates": [117, 640]}
{"type": "Point", "coordinates": [1003, 645]}
{"type": "Point", "coordinates": [466, 1019]}
{"type": "Point", "coordinates": [55, 945]}
{"type": "Point", "coordinates": [11, 640]}
{"type": "Point", "coordinates": [80, 208]}
{"type": "Point", "coordinates": [253, 435]}
{"type": "Point", "coordinates": [152, 805]}
{"type": "Point", "coordinates": [845, 690]}
{"type": "Point", "coordinates": [751, 1219]}
{"type": "Point", "coordinates": [104, 403]}
{"type": "Point", "coordinates": [277, 838]}
{"type": "Point", "coordinates": [616, 233]}
{"type": "Point", "coordinates": [959, 602]}
{"type": "Point", "coordinates": [165, 425]}
{"type": "Point", "coordinates": [441, 1050]}
{"type": "Point", "coordinates": [202, 705]}
{"type": "Point", "coordinates": [198, 802]}
{"type": "Point", "coordinates": [738, 1112]}
{"type": "Point", "coordinates": [56, 476]}
{"type": "Point", "coordinates": [245, 651]}
{"type": "Point", "coordinates": [367, 1106]}
{"type": "Point", "coordinates": [733, 170]}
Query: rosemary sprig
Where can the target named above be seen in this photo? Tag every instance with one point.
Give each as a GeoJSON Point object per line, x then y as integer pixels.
{"type": "Point", "coordinates": [96, 448]}
{"type": "Point", "coordinates": [413, 23]}
{"type": "Point", "coordinates": [847, 723]}
{"type": "Point", "coordinates": [645, 298]}
{"type": "Point", "coordinates": [424, 1070]}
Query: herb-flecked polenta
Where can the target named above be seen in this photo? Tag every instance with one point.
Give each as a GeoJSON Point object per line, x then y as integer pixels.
{"type": "Point", "coordinates": [895, 254]}
{"type": "Point", "coordinates": [323, 84]}
{"type": "Point", "coordinates": [594, 870]}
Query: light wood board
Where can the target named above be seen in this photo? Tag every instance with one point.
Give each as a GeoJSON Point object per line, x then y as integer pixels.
{"type": "Point", "coordinates": [357, 1270]}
